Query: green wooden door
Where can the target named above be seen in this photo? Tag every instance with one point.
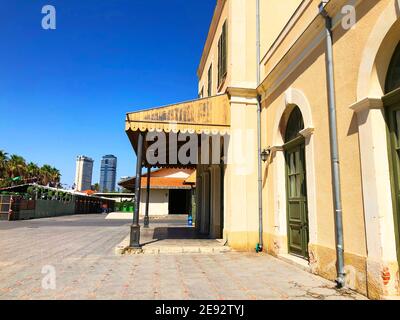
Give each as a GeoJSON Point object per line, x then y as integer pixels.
{"type": "Point", "coordinates": [297, 214]}
{"type": "Point", "coordinates": [392, 107]}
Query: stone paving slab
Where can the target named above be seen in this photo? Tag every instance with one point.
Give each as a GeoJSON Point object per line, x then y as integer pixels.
{"type": "Point", "coordinates": [81, 251]}
{"type": "Point", "coordinates": [162, 238]}
{"type": "Point", "coordinates": [173, 247]}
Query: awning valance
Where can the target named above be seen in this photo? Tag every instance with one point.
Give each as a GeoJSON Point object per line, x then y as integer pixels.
{"type": "Point", "coordinates": [208, 116]}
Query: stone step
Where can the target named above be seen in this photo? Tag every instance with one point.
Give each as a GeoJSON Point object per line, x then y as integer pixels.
{"type": "Point", "coordinates": [183, 250]}
{"type": "Point", "coordinates": [123, 248]}
{"type": "Point", "coordinates": [172, 250]}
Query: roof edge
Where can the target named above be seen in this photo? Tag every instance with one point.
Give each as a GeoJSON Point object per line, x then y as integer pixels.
{"type": "Point", "coordinates": [211, 34]}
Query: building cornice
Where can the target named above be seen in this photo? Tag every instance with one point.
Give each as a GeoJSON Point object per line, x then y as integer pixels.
{"type": "Point", "coordinates": [242, 92]}
{"type": "Point", "coordinates": [312, 36]}
{"type": "Point", "coordinates": [286, 30]}
{"type": "Point", "coordinates": [242, 95]}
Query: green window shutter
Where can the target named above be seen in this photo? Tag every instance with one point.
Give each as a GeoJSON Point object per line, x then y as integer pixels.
{"type": "Point", "coordinates": [201, 93]}
{"type": "Point", "coordinates": [224, 62]}
{"type": "Point", "coordinates": [219, 62]}
{"type": "Point", "coordinates": [222, 55]}
{"type": "Point", "coordinates": [393, 74]}
{"type": "Point", "coordinates": [209, 89]}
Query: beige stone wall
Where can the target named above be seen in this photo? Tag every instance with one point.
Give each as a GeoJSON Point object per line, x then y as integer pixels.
{"type": "Point", "coordinates": [308, 77]}
{"type": "Point", "coordinates": [158, 204]}
{"type": "Point", "coordinates": [242, 47]}
{"type": "Point", "coordinates": [294, 73]}
{"type": "Point", "coordinates": [294, 19]}
{"type": "Point", "coordinates": [274, 16]}
{"type": "Point", "coordinates": [241, 198]}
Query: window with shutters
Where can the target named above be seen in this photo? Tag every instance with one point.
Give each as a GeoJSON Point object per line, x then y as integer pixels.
{"type": "Point", "coordinates": [209, 89]}
{"type": "Point", "coordinates": [222, 55]}
{"type": "Point", "coordinates": [393, 75]}
{"type": "Point", "coordinates": [295, 125]}
{"type": "Point", "coordinates": [201, 93]}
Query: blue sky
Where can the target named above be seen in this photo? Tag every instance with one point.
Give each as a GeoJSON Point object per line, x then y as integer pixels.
{"type": "Point", "coordinates": [65, 92]}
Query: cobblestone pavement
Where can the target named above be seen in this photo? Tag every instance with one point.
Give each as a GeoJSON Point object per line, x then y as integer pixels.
{"type": "Point", "coordinates": [81, 249]}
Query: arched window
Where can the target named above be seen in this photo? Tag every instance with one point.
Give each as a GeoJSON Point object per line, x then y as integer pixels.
{"type": "Point", "coordinates": [393, 75]}
{"type": "Point", "coordinates": [295, 125]}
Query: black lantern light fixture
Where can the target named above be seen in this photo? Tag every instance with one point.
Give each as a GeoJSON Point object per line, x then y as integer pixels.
{"type": "Point", "coordinates": [265, 154]}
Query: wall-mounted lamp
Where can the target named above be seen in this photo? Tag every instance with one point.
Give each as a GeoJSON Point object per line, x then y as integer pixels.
{"type": "Point", "coordinates": [265, 154]}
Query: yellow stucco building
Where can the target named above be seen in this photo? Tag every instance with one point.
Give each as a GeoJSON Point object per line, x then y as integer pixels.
{"type": "Point", "coordinates": [299, 198]}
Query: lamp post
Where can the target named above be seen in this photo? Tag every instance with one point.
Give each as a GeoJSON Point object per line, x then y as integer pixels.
{"type": "Point", "coordinates": [146, 217]}
{"type": "Point", "coordinates": [135, 227]}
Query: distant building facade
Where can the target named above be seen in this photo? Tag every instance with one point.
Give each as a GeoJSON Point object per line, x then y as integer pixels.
{"type": "Point", "coordinates": [108, 173]}
{"type": "Point", "coordinates": [84, 172]}
{"type": "Point", "coordinates": [169, 192]}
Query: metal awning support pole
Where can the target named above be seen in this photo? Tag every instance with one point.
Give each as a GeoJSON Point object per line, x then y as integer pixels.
{"type": "Point", "coordinates": [193, 204]}
{"type": "Point", "coordinates": [146, 217]}
{"type": "Point", "coordinates": [135, 228]}
{"type": "Point", "coordinates": [337, 197]}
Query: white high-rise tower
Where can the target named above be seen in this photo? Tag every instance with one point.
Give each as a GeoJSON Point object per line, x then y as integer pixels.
{"type": "Point", "coordinates": [84, 172]}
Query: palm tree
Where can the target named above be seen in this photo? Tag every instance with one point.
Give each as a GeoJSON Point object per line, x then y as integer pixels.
{"type": "Point", "coordinates": [55, 177]}
{"type": "Point", "coordinates": [16, 166]}
{"type": "Point", "coordinates": [3, 164]}
{"type": "Point", "coordinates": [45, 174]}
{"type": "Point", "coordinates": [33, 171]}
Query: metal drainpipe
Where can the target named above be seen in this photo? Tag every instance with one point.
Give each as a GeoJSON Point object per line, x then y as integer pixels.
{"type": "Point", "coordinates": [260, 199]}
{"type": "Point", "coordinates": [334, 147]}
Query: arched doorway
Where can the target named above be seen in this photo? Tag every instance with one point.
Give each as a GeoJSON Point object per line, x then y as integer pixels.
{"type": "Point", "coordinates": [391, 102]}
{"type": "Point", "coordinates": [296, 186]}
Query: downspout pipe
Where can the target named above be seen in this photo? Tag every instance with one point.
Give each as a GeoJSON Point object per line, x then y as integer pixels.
{"type": "Point", "coordinates": [337, 197]}
{"type": "Point", "coordinates": [259, 160]}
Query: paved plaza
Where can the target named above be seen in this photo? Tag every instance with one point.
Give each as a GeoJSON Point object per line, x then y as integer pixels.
{"type": "Point", "coordinates": [80, 252]}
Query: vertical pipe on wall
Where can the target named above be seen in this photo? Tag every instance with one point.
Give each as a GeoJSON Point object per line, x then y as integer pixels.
{"type": "Point", "coordinates": [259, 161]}
{"type": "Point", "coordinates": [337, 197]}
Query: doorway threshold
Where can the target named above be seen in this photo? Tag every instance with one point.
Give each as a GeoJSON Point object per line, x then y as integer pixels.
{"type": "Point", "coordinates": [295, 261]}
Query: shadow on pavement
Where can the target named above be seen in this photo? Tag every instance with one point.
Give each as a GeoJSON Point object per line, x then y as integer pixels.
{"type": "Point", "coordinates": [173, 233]}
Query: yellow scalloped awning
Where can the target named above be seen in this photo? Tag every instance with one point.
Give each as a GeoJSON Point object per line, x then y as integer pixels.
{"type": "Point", "coordinates": [208, 116]}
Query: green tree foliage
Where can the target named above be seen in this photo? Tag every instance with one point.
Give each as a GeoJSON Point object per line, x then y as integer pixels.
{"type": "Point", "coordinates": [14, 170]}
